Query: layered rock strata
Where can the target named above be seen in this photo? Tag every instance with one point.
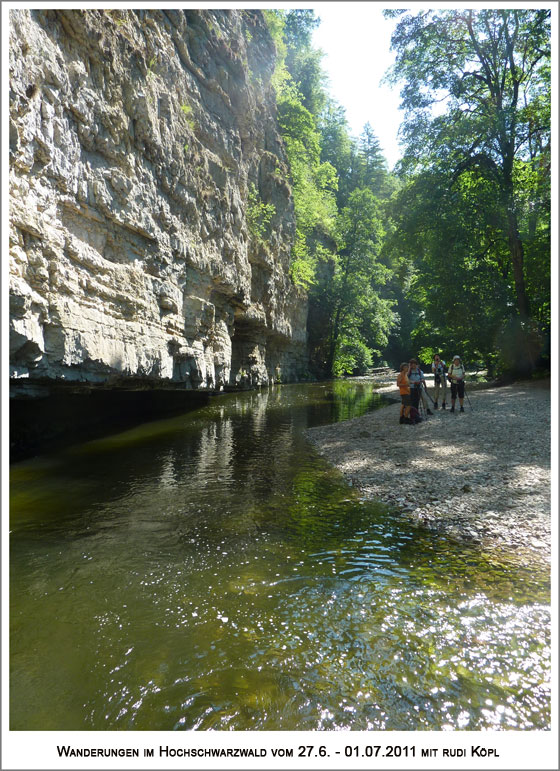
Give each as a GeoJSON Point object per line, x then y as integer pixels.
{"type": "Point", "coordinates": [151, 216]}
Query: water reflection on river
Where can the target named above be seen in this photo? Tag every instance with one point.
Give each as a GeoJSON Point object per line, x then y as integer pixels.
{"type": "Point", "coordinates": [210, 571]}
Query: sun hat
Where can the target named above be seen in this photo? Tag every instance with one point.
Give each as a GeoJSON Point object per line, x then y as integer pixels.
{"type": "Point", "coordinates": [456, 357]}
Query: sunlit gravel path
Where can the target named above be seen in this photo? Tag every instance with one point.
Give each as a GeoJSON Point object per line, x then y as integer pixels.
{"type": "Point", "coordinates": [483, 475]}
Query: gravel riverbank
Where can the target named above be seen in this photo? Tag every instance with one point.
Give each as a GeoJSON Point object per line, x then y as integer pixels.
{"type": "Point", "coordinates": [481, 475]}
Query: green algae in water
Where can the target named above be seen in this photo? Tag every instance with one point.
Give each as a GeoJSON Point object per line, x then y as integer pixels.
{"type": "Point", "coordinates": [212, 572]}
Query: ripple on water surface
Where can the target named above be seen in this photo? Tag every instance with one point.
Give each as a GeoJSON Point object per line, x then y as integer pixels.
{"type": "Point", "coordinates": [211, 572]}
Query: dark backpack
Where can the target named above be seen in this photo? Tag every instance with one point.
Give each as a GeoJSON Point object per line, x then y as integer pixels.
{"type": "Point", "coordinates": [440, 372]}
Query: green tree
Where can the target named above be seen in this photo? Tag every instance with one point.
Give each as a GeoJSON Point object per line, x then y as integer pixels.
{"type": "Point", "coordinates": [489, 71]}
{"type": "Point", "coordinates": [339, 235]}
{"type": "Point", "coordinates": [313, 182]}
{"type": "Point", "coordinates": [337, 147]}
{"type": "Point", "coordinates": [373, 172]}
{"type": "Point", "coordinates": [360, 316]}
{"type": "Point", "coordinates": [303, 62]}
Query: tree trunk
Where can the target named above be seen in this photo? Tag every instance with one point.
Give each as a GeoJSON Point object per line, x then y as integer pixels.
{"type": "Point", "coordinates": [525, 342]}
{"type": "Point", "coordinates": [517, 258]}
{"type": "Point", "coordinates": [333, 341]}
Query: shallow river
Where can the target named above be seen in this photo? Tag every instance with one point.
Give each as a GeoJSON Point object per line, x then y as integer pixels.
{"type": "Point", "coordinates": [210, 571]}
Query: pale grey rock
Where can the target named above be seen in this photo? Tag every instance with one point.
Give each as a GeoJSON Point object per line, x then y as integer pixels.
{"type": "Point", "coordinates": [134, 139]}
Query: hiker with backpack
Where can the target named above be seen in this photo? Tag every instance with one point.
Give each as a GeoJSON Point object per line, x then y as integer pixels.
{"type": "Point", "coordinates": [408, 413]}
{"type": "Point", "coordinates": [440, 380]}
{"type": "Point", "coordinates": [456, 377]}
{"type": "Point", "coordinates": [418, 385]}
{"type": "Point", "coordinates": [404, 390]}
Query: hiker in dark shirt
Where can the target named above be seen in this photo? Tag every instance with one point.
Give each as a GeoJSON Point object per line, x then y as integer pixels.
{"type": "Point", "coordinates": [440, 380]}
{"type": "Point", "coordinates": [417, 385]}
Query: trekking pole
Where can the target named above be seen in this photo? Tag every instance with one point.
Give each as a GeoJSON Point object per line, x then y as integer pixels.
{"type": "Point", "coordinates": [469, 401]}
{"type": "Point", "coordinates": [428, 393]}
{"type": "Point", "coordinates": [421, 409]}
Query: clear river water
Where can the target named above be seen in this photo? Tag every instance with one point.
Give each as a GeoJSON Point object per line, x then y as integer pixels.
{"type": "Point", "coordinates": [211, 571]}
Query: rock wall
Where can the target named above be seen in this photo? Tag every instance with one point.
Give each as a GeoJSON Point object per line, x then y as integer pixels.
{"type": "Point", "coordinates": [151, 216]}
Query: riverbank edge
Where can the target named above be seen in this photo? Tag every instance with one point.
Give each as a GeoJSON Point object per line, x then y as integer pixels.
{"type": "Point", "coordinates": [503, 507]}
{"type": "Point", "coordinates": [47, 416]}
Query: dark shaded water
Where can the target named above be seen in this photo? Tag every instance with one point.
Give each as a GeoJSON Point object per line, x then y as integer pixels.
{"type": "Point", "coordinates": [212, 572]}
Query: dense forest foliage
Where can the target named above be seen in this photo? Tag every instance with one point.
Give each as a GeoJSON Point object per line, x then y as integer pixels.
{"type": "Point", "coordinates": [451, 250]}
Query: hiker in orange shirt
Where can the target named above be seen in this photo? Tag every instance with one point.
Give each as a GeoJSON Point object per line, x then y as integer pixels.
{"type": "Point", "coordinates": [404, 388]}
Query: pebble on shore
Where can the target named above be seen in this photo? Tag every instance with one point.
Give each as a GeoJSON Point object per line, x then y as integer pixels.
{"type": "Point", "coordinates": [482, 475]}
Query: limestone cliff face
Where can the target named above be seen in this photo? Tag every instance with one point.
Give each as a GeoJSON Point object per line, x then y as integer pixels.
{"type": "Point", "coordinates": [144, 160]}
